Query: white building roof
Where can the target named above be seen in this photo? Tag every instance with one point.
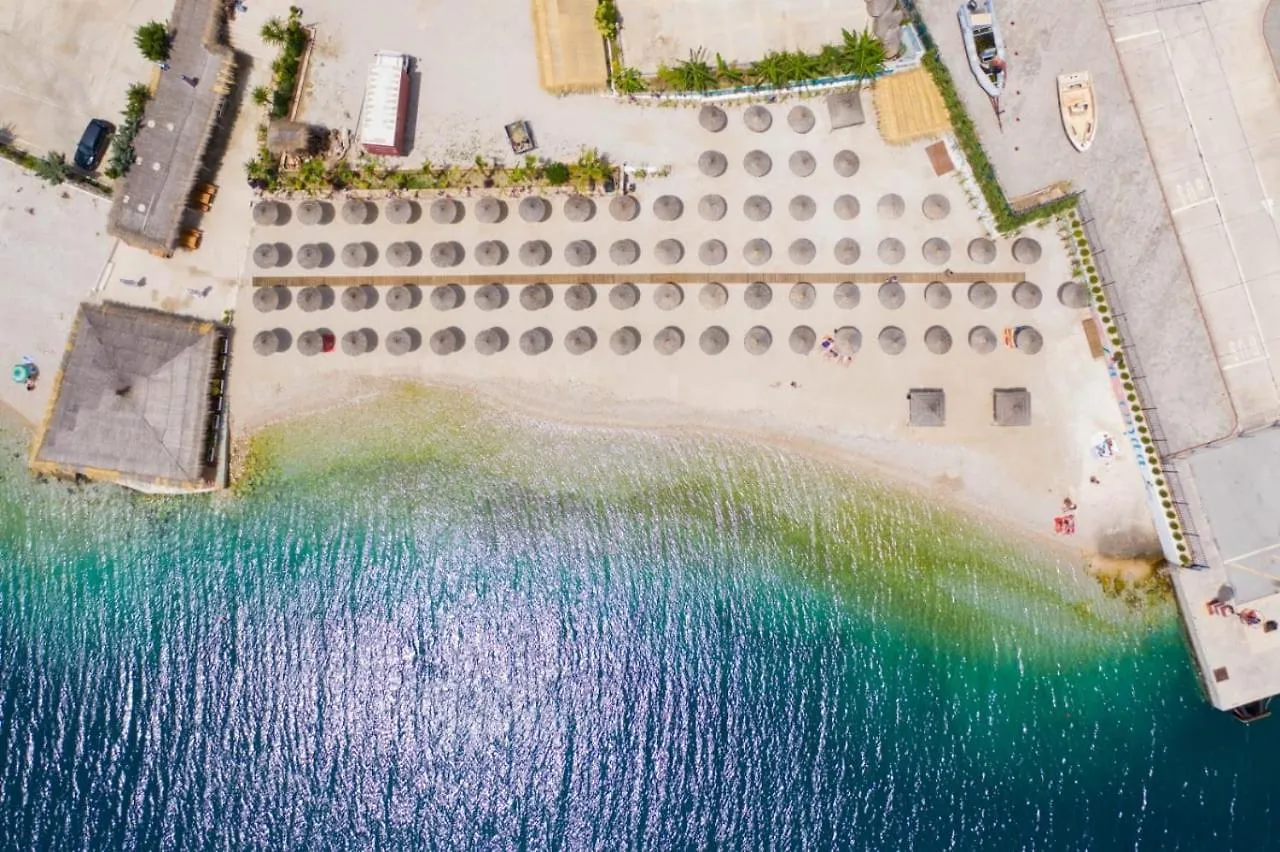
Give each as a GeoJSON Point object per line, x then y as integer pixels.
{"type": "Point", "coordinates": [382, 99]}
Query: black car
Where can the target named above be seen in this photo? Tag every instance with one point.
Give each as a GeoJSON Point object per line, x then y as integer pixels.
{"type": "Point", "coordinates": [93, 142]}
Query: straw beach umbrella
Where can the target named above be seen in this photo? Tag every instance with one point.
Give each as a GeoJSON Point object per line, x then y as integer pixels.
{"type": "Point", "coordinates": [892, 340]}
{"type": "Point", "coordinates": [846, 163]}
{"type": "Point", "coordinates": [355, 211]}
{"type": "Point", "coordinates": [445, 211]}
{"type": "Point", "coordinates": [534, 252]}
{"type": "Point", "coordinates": [802, 208]}
{"type": "Point", "coordinates": [669, 251]}
{"type": "Point", "coordinates": [447, 254]}
{"type": "Point", "coordinates": [757, 208]}
{"type": "Point", "coordinates": [311, 212]}
{"type": "Point", "coordinates": [848, 340]}
{"type": "Point", "coordinates": [266, 343]}
{"type": "Point", "coordinates": [802, 252]}
{"type": "Point", "coordinates": [758, 119]}
{"type": "Point", "coordinates": [446, 297]}
{"type": "Point", "coordinates": [624, 252]}
{"type": "Point", "coordinates": [712, 253]}
{"type": "Point", "coordinates": [355, 255]}
{"type": "Point", "coordinates": [398, 212]}
{"type": "Point", "coordinates": [400, 342]}
{"type": "Point", "coordinates": [713, 340]}
{"type": "Point", "coordinates": [668, 208]}
{"type": "Point", "coordinates": [400, 254]}
{"type": "Point", "coordinates": [535, 297]}
{"type": "Point", "coordinates": [310, 343]}
{"type": "Point", "coordinates": [312, 299]}
{"type": "Point", "coordinates": [580, 340]}
{"type": "Point", "coordinates": [669, 341]}
{"type": "Point", "coordinates": [580, 253]}
{"type": "Point", "coordinates": [668, 296]}
{"type": "Point", "coordinates": [534, 209]}
{"type": "Point", "coordinates": [490, 210]}
{"type": "Point", "coordinates": [266, 299]}
{"type": "Point", "coordinates": [1073, 295]}
{"type": "Point", "coordinates": [1027, 295]}
{"type": "Point", "coordinates": [579, 208]}
{"type": "Point", "coordinates": [982, 340]}
{"type": "Point", "coordinates": [492, 340]}
{"type": "Point", "coordinates": [800, 119]}
{"type": "Point", "coordinates": [310, 256]}
{"type": "Point", "coordinates": [758, 295]}
{"type": "Point", "coordinates": [401, 297]}
{"type": "Point", "coordinates": [935, 207]}
{"type": "Point", "coordinates": [266, 213]}
{"type": "Point", "coordinates": [624, 208]}
{"type": "Point", "coordinates": [1026, 250]}
{"type": "Point", "coordinates": [802, 296]}
{"type": "Point", "coordinates": [491, 253]}
{"type": "Point", "coordinates": [758, 340]}
{"type": "Point", "coordinates": [490, 297]}
{"type": "Point", "coordinates": [713, 163]}
{"type": "Point", "coordinates": [802, 163]}
{"type": "Point", "coordinates": [891, 295]}
{"type": "Point", "coordinates": [535, 341]}
{"type": "Point", "coordinates": [357, 342]}
{"type": "Point", "coordinates": [982, 250]}
{"type": "Point", "coordinates": [937, 340]}
{"type": "Point", "coordinates": [713, 296]}
{"type": "Point", "coordinates": [623, 297]}
{"type": "Point", "coordinates": [847, 295]}
{"type": "Point", "coordinates": [757, 163]}
{"type": "Point", "coordinates": [1027, 339]}
{"type": "Point", "coordinates": [937, 295]}
{"type": "Point", "coordinates": [757, 251]}
{"type": "Point", "coordinates": [891, 251]}
{"type": "Point", "coordinates": [846, 207]}
{"type": "Point", "coordinates": [936, 251]}
{"type": "Point", "coordinates": [266, 256]}
{"type": "Point", "coordinates": [357, 298]}
{"type": "Point", "coordinates": [712, 118]}
{"type": "Point", "coordinates": [802, 340]}
{"type": "Point", "coordinates": [624, 341]}
{"type": "Point", "coordinates": [446, 341]}
{"type": "Point", "coordinates": [579, 297]}
{"type": "Point", "coordinates": [891, 206]}
{"type": "Point", "coordinates": [712, 207]}
{"type": "Point", "coordinates": [847, 251]}
{"type": "Point", "coordinates": [982, 295]}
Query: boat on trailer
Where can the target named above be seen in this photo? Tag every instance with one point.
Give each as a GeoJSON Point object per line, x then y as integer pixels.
{"type": "Point", "coordinates": [983, 44]}
{"type": "Point", "coordinates": [1079, 108]}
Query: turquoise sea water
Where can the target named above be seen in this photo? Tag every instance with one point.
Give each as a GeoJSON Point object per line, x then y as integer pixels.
{"type": "Point", "coordinates": [437, 627]}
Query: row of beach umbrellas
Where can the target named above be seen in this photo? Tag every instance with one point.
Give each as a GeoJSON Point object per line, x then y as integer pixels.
{"type": "Point", "coordinates": [757, 118]}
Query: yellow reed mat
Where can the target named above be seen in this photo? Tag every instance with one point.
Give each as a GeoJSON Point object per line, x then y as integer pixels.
{"type": "Point", "coordinates": [909, 107]}
{"type": "Point", "coordinates": [570, 51]}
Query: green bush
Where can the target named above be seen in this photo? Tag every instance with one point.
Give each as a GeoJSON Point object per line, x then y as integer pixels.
{"type": "Point", "coordinates": [152, 39]}
{"type": "Point", "coordinates": [557, 174]}
{"type": "Point", "coordinates": [292, 38]}
{"type": "Point", "coordinates": [607, 19]}
{"type": "Point", "coordinates": [122, 153]}
{"type": "Point", "coordinates": [52, 167]}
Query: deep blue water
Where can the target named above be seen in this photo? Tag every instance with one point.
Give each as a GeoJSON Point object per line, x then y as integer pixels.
{"type": "Point", "coordinates": [601, 641]}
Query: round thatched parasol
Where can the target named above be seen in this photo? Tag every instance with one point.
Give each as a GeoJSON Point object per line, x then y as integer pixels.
{"type": "Point", "coordinates": [580, 340]}
{"type": "Point", "coordinates": [357, 298]}
{"type": "Point", "coordinates": [758, 340]}
{"type": "Point", "coordinates": [580, 253]}
{"type": "Point", "coordinates": [491, 253]}
{"type": "Point", "coordinates": [1026, 295]}
{"type": "Point", "coordinates": [668, 208]}
{"type": "Point", "coordinates": [445, 211]}
{"type": "Point", "coordinates": [534, 252]}
{"type": "Point", "coordinates": [446, 341]}
{"type": "Point", "coordinates": [492, 340]}
{"type": "Point", "coordinates": [937, 295]}
{"type": "Point", "coordinates": [937, 340]}
{"type": "Point", "coordinates": [669, 341]}
{"type": "Point", "coordinates": [669, 251]}
{"type": "Point", "coordinates": [802, 295]}
{"type": "Point", "coordinates": [266, 256]}
{"type": "Point", "coordinates": [712, 252]}
{"type": "Point", "coordinates": [982, 250]}
{"type": "Point", "coordinates": [713, 163]}
{"type": "Point", "coordinates": [400, 342]}
{"type": "Point", "coordinates": [1026, 250]}
{"type": "Point", "coordinates": [310, 343]}
{"type": "Point", "coordinates": [447, 254]}
{"type": "Point", "coordinates": [936, 251]}
{"type": "Point", "coordinates": [579, 208]}
{"type": "Point", "coordinates": [757, 251]}
{"type": "Point", "coordinates": [1073, 295]}
{"type": "Point", "coordinates": [623, 297]}
{"type": "Point", "coordinates": [1027, 339]}
{"type": "Point", "coordinates": [579, 297]}
{"type": "Point", "coordinates": [846, 163]}
{"type": "Point", "coordinates": [892, 340]}
{"type": "Point", "coordinates": [535, 297]}
{"type": "Point", "coordinates": [398, 212]}
{"type": "Point", "coordinates": [357, 342]}
{"type": "Point", "coordinates": [310, 256]}
{"type": "Point", "coordinates": [757, 163]}
{"type": "Point", "coordinates": [757, 208]}
{"type": "Point", "coordinates": [800, 119]}
{"type": "Point", "coordinates": [713, 296]}
{"type": "Point", "coordinates": [713, 340]}
{"type": "Point", "coordinates": [935, 207]}
{"type": "Point", "coordinates": [891, 251]}
{"type": "Point", "coordinates": [712, 207]}
{"type": "Point", "coordinates": [266, 213]}
{"type": "Point", "coordinates": [624, 208]}
{"type": "Point", "coordinates": [312, 299]}
{"type": "Point", "coordinates": [891, 206]}
{"type": "Point", "coordinates": [891, 295]}
{"type": "Point", "coordinates": [982, 340]}
{"type": "Point", "coordinates": [355, 211]}
{"type": "Point", "coordinates": [446, 297]}
{"type": "Point", "coordinates": [848, 340]}
{"type": "Point", "coordinates": [624, 341]}
{"type": "Point", "coordinates": [982, 295]}
{"type": "Point", "coordinates": [712, 118]}
{"type": "Point", "coordinates": [758, 295]}
{"type": "Point", "coordinates": [668, 296]}
{"type": "Point", "coordinates": [266, 343]}
{"type": "Point", "coordinates": [847, 295]}
{"type": "Point", "coordinates": [355, 255]}
{"type": "Point", "coordinates": [490, 297]}
{"type": "Point", "coordinates": [401, 297]}
{"type": "Point", "coordinates": [535, 341]}
{"type": "Point", "coordinates": [802, 252]}
{"type": "Point", "coordinates": [847, 251]}
{"type": "Point", "coordinates": [490, 210]}
{"type": "Point", "coordinates": [758, 119]}
{"type": "Point", "coordinates": [400, 254]}
{"type": "Point", "coordinates": [802, 208]}
{"type": "Point", "coordinates": [311, 212]}
{"type": "Point", "coordinates": [624, 252]}
{"type": "Point", "coordinates": [266, 299]}
{"type": "Point", "coordinates": [802, 340]}
{"type": "Point", "coordinates": [802, 163]}
{"type": "Point", "coordinates": [847, 207]}
{"type": "Point", "coordinates": [534, 209]}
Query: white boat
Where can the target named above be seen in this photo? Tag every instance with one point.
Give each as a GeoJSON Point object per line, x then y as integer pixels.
{"type": "Point", "coordinates": [1079, 108]}
{"type": "Point", "coordinates": [983, 44]}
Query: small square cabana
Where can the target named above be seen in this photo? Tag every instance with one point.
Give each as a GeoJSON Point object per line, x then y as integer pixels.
{"type": "Point", "coordinates": [927, 407]}
{"type": "Point", "coordinates": [1011, 406]}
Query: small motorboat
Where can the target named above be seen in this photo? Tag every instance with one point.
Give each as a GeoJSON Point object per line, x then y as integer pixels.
{"type": "Point", "coordinates": [983, 44]}
{"type": "Point", "coordinates": [1079, 108]}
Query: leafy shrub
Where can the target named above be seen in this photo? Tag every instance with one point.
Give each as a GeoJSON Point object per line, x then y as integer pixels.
{"type": "Point", "coordinates": [152, 39]}
{"type": "Point", "coordinates": [557, 174]}
{"type": "Point", "coordinates": [607, 19]}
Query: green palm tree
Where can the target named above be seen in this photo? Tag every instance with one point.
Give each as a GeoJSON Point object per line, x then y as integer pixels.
{"type": "Point", "coordinates": [800, 67]}
{"type": "Point", "coordinates": [275, 32]}
{"type": "Point", "coordinates": [695, 74]}
{"type": "Point", "coordinates": [862, 54]}
{"type": "Point", "coordinates": [629, 81]}
{"type": "Point", "coordinates": [52, 167]}
{"type": "Point", "coordinates": [729, 75]}
{"type": "Point", "coordinates": [770, 70]}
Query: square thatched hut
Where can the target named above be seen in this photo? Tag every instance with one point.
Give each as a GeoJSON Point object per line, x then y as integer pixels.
{"type": "Point", "coordinates": [845, 109]}
{"type": "Point", "coordinates": [927, 407]}
{"type": "Point", "coordinates": [1011, 406]}
{"type": "Point", "coordinates": [134, 400]}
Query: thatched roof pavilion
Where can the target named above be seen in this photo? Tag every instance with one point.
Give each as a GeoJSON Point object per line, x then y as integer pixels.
{"type": "Point", "coordinates": [928, 407]}
{"type": "Point", "coordinates": [291, 137]}
{"type": "Point", "coordinates": [1011, 406]}
{"type": "Point", "coordinates": [132, 399]}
